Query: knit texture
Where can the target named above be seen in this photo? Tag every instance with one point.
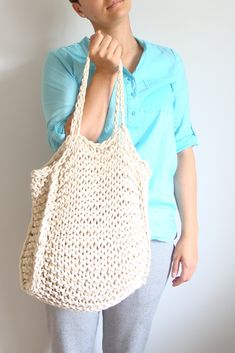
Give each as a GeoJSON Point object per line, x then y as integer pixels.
{"type": "Point", "coordinates": [88, 239]}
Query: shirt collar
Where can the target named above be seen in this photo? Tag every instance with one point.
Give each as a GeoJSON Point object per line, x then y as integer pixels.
{"type": "Point", "coordinates": [85, 46]}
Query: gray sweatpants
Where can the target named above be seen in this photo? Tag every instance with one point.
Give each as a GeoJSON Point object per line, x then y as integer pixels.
{"type": "Point", "coordinates": [126, 325]}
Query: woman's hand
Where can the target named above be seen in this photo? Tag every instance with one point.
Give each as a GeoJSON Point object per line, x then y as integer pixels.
{"type": "Point", "coordinates": [186, 253]}
{"type": "Point", "coordinates": [105, 52]}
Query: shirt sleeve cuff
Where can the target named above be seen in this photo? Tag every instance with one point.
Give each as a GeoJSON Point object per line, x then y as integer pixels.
{"type": "Point", "coordinates": [187, 141]}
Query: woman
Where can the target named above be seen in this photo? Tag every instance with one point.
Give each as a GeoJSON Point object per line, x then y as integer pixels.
{"type": "Point", "coordinates": [159, 124]}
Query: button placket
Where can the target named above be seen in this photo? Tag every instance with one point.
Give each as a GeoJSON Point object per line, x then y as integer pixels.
{"type": "Point", "coordinates": [133, 94]}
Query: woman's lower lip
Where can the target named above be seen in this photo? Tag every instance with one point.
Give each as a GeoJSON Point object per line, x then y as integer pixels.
{"type": "Point", "coordinates": [117, 3]}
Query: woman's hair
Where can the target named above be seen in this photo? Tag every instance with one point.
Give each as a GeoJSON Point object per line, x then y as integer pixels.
{"type": "Point", "coordinates": [75, 1]}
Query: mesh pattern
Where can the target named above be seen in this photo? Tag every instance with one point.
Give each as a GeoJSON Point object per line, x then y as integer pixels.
{"type": "Point", "coordinates": [88, 240]}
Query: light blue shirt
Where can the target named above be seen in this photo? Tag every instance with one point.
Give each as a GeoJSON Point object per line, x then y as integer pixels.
{"type": "Point", "coordinates": [157, 116]}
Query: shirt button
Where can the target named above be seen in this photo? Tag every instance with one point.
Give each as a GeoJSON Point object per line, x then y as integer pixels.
{"type": "Point", "coordinates": [133, 113]}
{"type": "Point", "coordinates": [133, 94]}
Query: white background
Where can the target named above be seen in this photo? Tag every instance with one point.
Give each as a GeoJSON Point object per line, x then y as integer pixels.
{"type": "Point", "coordinates": [197, 316]}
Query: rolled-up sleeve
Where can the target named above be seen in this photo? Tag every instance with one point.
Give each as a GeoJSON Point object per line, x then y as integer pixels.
{"type": "Point", "coordinates": [185, 135]}
{"type": "Point", "coordinates": [59, 90]}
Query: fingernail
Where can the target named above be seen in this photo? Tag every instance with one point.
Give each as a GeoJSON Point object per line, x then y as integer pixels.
{"type": "Point", "coordinates": [173, 275]}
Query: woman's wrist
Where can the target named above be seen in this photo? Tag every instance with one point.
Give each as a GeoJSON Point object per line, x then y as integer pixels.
{"type": "Point", "coordinates": [191, 231]}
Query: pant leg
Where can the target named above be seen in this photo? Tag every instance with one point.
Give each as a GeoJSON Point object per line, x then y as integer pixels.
{"type": "Point", "coordinates": [71, 331]}
{"type": "Point", "coordinates": [126, 325]}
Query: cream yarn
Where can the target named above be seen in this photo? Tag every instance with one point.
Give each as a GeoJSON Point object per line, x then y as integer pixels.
{"type": "Point", "coordinates": [88, 241]}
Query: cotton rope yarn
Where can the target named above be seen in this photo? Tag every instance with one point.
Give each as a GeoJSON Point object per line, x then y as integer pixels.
{"type": "Point", "coordinates": [88, 240]}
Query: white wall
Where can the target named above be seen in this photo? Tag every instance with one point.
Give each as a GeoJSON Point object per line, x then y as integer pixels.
{"type": "Point", "coordinates": [197, 316]}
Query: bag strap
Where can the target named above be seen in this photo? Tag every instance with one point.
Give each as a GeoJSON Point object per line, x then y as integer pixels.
{"type": "Point", "coordinates": [77, 117]}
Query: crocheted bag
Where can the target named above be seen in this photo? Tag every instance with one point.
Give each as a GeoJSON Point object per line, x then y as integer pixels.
{"type": "Point", "coordinates": [88, 240]}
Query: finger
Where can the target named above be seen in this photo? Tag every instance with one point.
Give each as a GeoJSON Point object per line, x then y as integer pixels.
{"type": "Point", "coordinates": [184, 276]}
{"type": "Point", "coordinates": [95, 34]}
{"type": "Point", "coordinates": [92, 36]}
{"type": "Point", "coordinates": [106, 42]}
{"type": "Point", "coordinates": [97, 39]}
{"type": "Point", "coordinates": [175, 266]}
{"type": "Point", "coordinates": [99, 31]}
{"type": "Point", "coordinates": [117, 50]}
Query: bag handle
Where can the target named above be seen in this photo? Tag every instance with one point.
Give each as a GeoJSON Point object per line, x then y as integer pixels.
{"type": "Point", "coordinates": [77, 117]}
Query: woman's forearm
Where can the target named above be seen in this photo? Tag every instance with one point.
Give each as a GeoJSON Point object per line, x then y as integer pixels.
{"type": "Point", "coordinates": [185, 190]}
{"type": "Point", "coordinates": [95, 106]}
